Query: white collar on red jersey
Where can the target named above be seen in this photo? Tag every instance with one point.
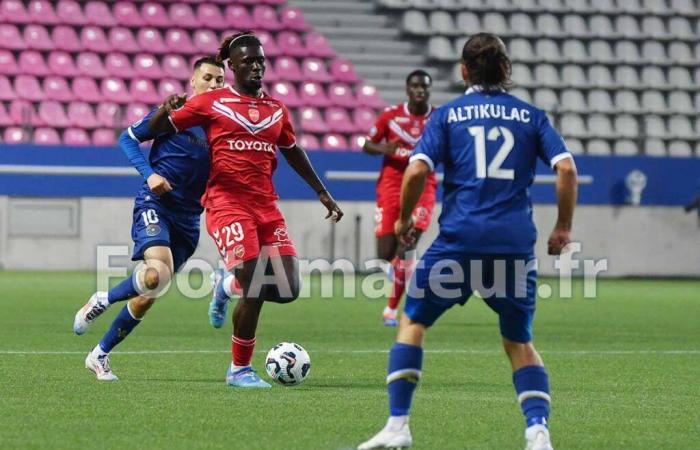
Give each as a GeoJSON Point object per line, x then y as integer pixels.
{"type": "Point", "coordinates": [408, 113]}
{"type": "Point", "coordinates": [262, 94]}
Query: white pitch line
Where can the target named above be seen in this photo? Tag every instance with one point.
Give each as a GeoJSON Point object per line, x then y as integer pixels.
{"type": "Point", "coordinates": [366, 351]}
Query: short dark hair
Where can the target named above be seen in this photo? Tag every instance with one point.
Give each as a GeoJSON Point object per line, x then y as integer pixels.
{"type": "Point", "coordinates": [208, 60]}
{"type": "Point", "coordinates": [486, 59]}
{"type": "Point", "coordinates": [234, 41]}
{"type": "Point", "coordinates": [420, 73]}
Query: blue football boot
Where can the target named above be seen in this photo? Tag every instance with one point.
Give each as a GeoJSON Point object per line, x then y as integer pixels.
{"type": "Point", "coordinates": [245, 378]}
{"type": "Point", "coordinates": [218, 306]}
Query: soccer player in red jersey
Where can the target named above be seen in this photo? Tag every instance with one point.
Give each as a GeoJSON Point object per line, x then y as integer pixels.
{"type": "Point", "coordinates": [245, 127]}
{"type": "Point", "coordinates": [395, 133]}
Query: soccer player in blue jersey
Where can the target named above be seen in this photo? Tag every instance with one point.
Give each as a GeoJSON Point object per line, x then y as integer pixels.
{"type": "Point", "coordinates": [165, 229]}
{"type": "Point", "coordinates": [488, 143]}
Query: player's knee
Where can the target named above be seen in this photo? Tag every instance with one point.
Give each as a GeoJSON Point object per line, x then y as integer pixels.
{"type": "Point", "coordinates": [151, 278]}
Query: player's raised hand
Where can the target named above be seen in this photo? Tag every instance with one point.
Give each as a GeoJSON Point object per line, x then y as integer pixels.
{"type": "Point", "coordinates": [334, 211]}
{"type": "Point", "coordinates": [158, 185]}
{"type": "Point", "coordinates": [173, 102]}
{"type": "Point", "coordinates": [559, 239]}
{"type": "Point", "coordinates": [405, 231]}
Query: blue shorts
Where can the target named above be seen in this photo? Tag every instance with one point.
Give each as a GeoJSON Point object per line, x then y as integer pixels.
{"type": "Point", "coordinates": [157, 226]}
{"type": "Point", "coordinates": [506, 282]}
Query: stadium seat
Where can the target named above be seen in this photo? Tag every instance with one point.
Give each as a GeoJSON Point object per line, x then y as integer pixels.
{"type": "Point", "coordinates": [575, 51]}
{"type": "Point", "coordinates": [37, 38]}
{"type": "Point", "coordinates": [573, 100]}
{"type": "Point", "coordinates": [627, 77]}
{"type": "Point", "coordinates": [626, 126]}
{"type": "Point", "coordinates": [548, 25]}
{"type": "Point", "coordinates": [154, 15]}
{"type": "Point", "coordinates": [210, 16]}
{"type": "Point", "coordinates": [8, 63]}
{"type": "Point", "coordinates": [683, 6]}
{"type": "Point", "coordinates": [152, 40]}
{"type": "Point", "coordinates": [109, 115]}
{"type": "Point", "coordinates": [312, 94]}
{"type": "Point", "coordinates": [604, 6]}
{"type": "Point", "coordinates": [127, 15]}
{"type": "Point", "coordinates": [265, 18]}
{"type": "Point", "coordinates": [680, 53]}
{"type": "Point", "coordinates": [179, 41]}
{"type": "Point", "coordinates": [440, 49]}
{"type": "Point", "coordinates": [338, 120]}
{"type": "Point", "coordinates": [521, 50]}
{"type": "Point", "coordinates": [10, 38]}
{"type": "Point", "coordinates": [98, 13]}
{"type": "Point", "coordinates": [176, 67]}
{"type": "Point", "coordinates": [520, 25]}
{"type": "Point", "coordinates": [553, 5]}
{"type": "Point", "coordinates": [415, 22]}
{"type": "Point", "coordinates": [103, 138]}
{"type": "Point", "coordinates": [625, 147]}
{"type": "Point", "coordinates": [123, 40]}
{"type": "Point", "coordinates": [652, 53]}
{"type": "Point", "coordinates": [119, 65]}
{"type": "Point", "coordinates": [13, 11]}
{"type": "Point", "coordinates": [547, 75]}
{"type": "Point", "coordinates": [572, 125]}
{"type": "Point", "coordinates": [600, 77]}
{"type": "Point", "coordinates": [52, 113]}
{"type": "Point", "coordinates": [598, 147]}
{"type": "Point", "coordinates": [655, 127]}
{"type": "Point", "coordinates": [114, 90]}
{"type": "Point", "coordinates": [456, 76]}
{"type": "Point", "coordinates": [287, 68]}
{"type": "Point", "coordinates": [521, 75]}
{"type": "Point", "coordinates": [340, 94]}
{"type": "Point", "coordinates": [342, 70]}
{"type": "Point", "coordinates": [311, 121]}
{"type": "Point", "coordinates": [291, 44]}
{"type": "Point", "coordinates": [206, 41]}
{"type": "Point", "coordinates": [654, 27]}
{"type": "Point", "coordinates": [270, 73]}
{"type": "Point", "coordinates": [15, 135]}
{"type": "Point", "coordinates": [314, 69]}
{"type": "Point", "coordinates": [5, 119]}
{"type": "Point", "coordinates": [143, 90]}
{"type": "Point", "coordinates": [27, 87]}
{"type": "Point", "coordinates": [56, 88]}
{"type": "Point", "coordinates": [46, 136]}
{"type": "Point", "coordinates": [32, 63]}
{"type": "Point", "coordinates": [356, 142]}
{"type": "Point", "coordinates": [680, 149]}
{"type": "Point", "coordinates": [600, 51]}
{"type": "Point", "coordinates": [493, 21]}
{"type": "Point", "coordinates": [363, 119]}
{"type": "Point", "coordinates": [653, 101]}
{"type": "Point", "coordinates": [76, 136]}
{"type": "Point", "coordinates": [169, 87]}
{"type": "Point", "coordinates": [654, 147]}
{"type": "Point", "coordinates": [286, 93]}
{"type": "Point", "coordinates": [269, 43]}
{"type": "Point", "coordinates": [80, 114]}
{"type": "Point", "coordinates": [575, 146]}
{"type": "Point", "coordinates": [317, 45]}
{"type": "Point", "coordinates": [23, 113]}
{"type": "Point", "coordinates": [368, 96]}
{"type": "Point", "coordinates": [309, 142]}
{"type": "Point", "coordinates": [183, 15]}
{"type": "Point", "coordinates": [546, 99]}
{"type": "Point", "coordinates": [679, 77]}
{"type": "Point", "coordinates": [627, 101]}
{"type": "Point", "coordinates": [240, 16]}
{"type": "Point", "coordinates": [680, 127]}
{"type": "Point", "coordinates": [572, 75]}
{"type": "Point", "coordinates": [61, 63]}
{"type": "Point", "coordinates": [42, 12]}
{"type": "Point", "coordinates": [70, 13]}
{"type": "Point", "coordinates": [522, 94]}
{"type": "Point", "coordinates": [65, 38]}
{"type": "Point", "coordinates": [600, 101]}
{"type": "Point", "coordinates": [135, 112]}
{"type": "Point", "coordinates": [601, 26]}
{"type": "Point", "coordinates": [7, 92]}
{"type": "Point", "coordinates": [627, 27]}
{"type": "Point", "coordinates": [334, 142]}
{"type": "Point", "coordinates": [680, 102]}
{"type": "Point", "coordinates": [575, 26]}
{"type": "Point", "coordinates": [293, 19]}
{"type": "Point", "coordinates": [90, 65]}
{"type": "Point", "coordinates": [147, 66]}
{"type": "Point", "coordinates": [599, 126]}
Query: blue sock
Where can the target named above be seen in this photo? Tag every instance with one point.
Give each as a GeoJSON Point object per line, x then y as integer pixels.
{"type": "Point", "coordinates": [405, 363]}
{"type": "Point", "coordinates": [532, 386]}
{"type": "Point", "coordinates": [125, 290]}
{"type": "Point", "coordinates": [120, 328]}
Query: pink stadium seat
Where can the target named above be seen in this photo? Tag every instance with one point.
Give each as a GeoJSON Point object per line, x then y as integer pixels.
{"type": "Point", "coordinates": [288, 68]}
{"type": "Point", "coordinates": [27, 87]}
{"type": "Point", "coordinates": [293, 19]}
{"type": "Point", "coordinates": [86, 89]}
{"type": "Point", "coordinates": [8, 63]}
{"type": "Point", "coordinates": [13, 11]}
{"type": "Point", "coordinates": [69, 13]}
{"type": "Point", "coordinates": [317, 45]}
{"type": "Point", "coordinates": [56, 88]}
{"type": "Point", "coordinates": [314, 69]}
{"type": "Point", "coordinates": [291, 44]}
{"type": "Point", "coordinates": [269, 44]}
{"type": "Point", "coordinates": [15, 135]}
{"type": "Point", "coordinates": [311, 121]}
{"type": "Point", "coordinates": [61, 63]}
{"type": "Point", "coordinates": [179, 41]}
{"type": "Point", "coordinates": [312, 94]}
{"type": "Point", "coordinates": [90, 65]}
{"type": "Point", "coordinates": [6, 90]}
{"type": "Point", "coordinates": [123, 40]}
{"type": "Point", "coordinates": [151, 39]}
{"type": "Point", "coordinates": [238, 15]}
{"type": "Point", "coordinates": [364, 119]}
{"type": "Point", "coordinates": [76, 136]}
{"type": "Point", "coordinates": [46, 136]}
{"type": "Point", "coordinates": [103, 137]}
{"type": "Point", "coordinates": [154, 15]}
{"type": "Point", "coordinates": [52, 113]}
{"type": "Point", "coordinates": [147, 66]}
{"type": "Point", "coordinates": [340, 94]}
{"type": "Point", "coordinates": [143, 90]}
{"type": "Point", "coordinates": [206, 41]}
{"type": "Point", "coordinates": [10, 38]}
{"type": "Point", "coordinates": [338, 120]}
{"type": "Point", "coordinates": [23, 113]}
{"type": "Point", "coordinates": [109, 115]}
{"type": "Point", "coordinates": [5, 119]}
{"type": "Point", "coordinates": [368, 96]}
{"type": "Point", "coordinates": [176, 67]}
{"type": "Point", "coordinates": [270, 74]}
{"type": "Point", "coordinates": [118, 65]}
{"type": "Point", "coordinates": [356, 142]}
{"type": "Point", "coordinates": [41, 11]}
{"type": "Point", "coordinates": [94, 39]}
{"type": "Point", "coordinates": [286, 93]}
{"type": "Point", "coordinates": [183, 16]}
{"type": "Point", "coordinates": [98, 13]}
{"type": "Point", "coordinates": [309, 142]}
{"type": "Point", "coordinates": [114, 90]}
{"type": "Point", "coordinates": [80, 114]}
{"type": "Point", "coordinates": [135, 112]}
{"type": "Point", "coordinates": [126, 14]}
{"type": "Point", "coordinates": [342, 70]}
{"type": "Point", "coordinates": [210, 15]}
{"type": "Point", "coordinates": [265, 18]}
{"type": "Point", "coordinates": [36, 37]}
{"type": "Point", "coordinates": [32, 63]}
{"type": "Point", "coordinates": [334, 142]}
{"type": "Point", "coordinates": [169, 87]}
{"type": "Point", "coordinates": [66, 39]}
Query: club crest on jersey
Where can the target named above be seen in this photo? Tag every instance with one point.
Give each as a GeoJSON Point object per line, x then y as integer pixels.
{"type": "Point", "coordinates": [254, 114]}
{"type": "Point", "coordinates": [152, 230]}
{"type": "Point", "coordinates": [281, 234]}
{"type": "Point", "coordinates": [239, 251]}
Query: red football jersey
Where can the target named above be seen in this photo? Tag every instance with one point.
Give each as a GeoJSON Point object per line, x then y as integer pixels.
{"type": "Point", "coordinates": [244, 134]}
{"type": "Point", "coordinates": [397, 124]}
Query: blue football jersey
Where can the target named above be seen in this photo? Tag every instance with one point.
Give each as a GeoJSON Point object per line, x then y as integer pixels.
{"type": "Point", "coordinates": [488, 144]}
{"type": "Point", "coordinates": [182, 159]}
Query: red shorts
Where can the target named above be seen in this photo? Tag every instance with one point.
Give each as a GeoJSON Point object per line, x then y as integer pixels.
{"type": "Point", "coordinates": [241, 231]}
{"type": "Point", "coordinates": [388, 208]}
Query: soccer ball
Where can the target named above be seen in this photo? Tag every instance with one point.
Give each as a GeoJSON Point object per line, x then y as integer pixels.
{"type": "Point", "coordinates": [288, 363]}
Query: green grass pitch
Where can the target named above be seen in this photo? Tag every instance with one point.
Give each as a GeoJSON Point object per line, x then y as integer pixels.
{"type": "Point", "coordinates": [624, 371]}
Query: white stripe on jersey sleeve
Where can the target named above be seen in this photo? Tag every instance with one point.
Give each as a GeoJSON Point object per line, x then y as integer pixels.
{"type": "Point", "coordinates": [131, 135]}
{"type": "Point", "coordinates": [560, 157]}
{"type": "Point", "coordinates": [425, 158]}
{"type": "Point", "coordinates": [173, 124]}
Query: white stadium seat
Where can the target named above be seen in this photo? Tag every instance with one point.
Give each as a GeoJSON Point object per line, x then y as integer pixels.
{"type": "Point", "coordinates": [627, 101]}
{"type": "Point", "coordinates": [522, 94]}
{"type": "Point", "coordinates": [522, 76]}
{"type": "Point", "coordinates": [653, 52]}
{"type": "Point", "coordinates": [574, 76]}
{"type": "Point", "coordinates": [627, 27]}
{"type": "Point", "coordinates": [496, 23]}
{"type": "Point", "coordinates": [600, 51]}
{"type": "Point", "coordinates": [546, 99]}
{"type": "Point", "coordinates": [574, 50]}
{"type": "Point", "coordinates": [680, 101]}
{"type": "Point", "coordinates": [654, 27]}
{"type": "Point", "coordinates": [630, 6]}
{"type": "Point", "coordinates": [441, 22]}
{"type": "Point", "coordinates": [679, 52]}
{"type": "Point", "coordinates": [604, 6]}
{"type": "Point", "coordinates": [468, 22]}
{"type": "Point", "coordinates": [654, 147]}
{"type": "Point", "coordinates": [655, 127]}
{"type": "Point", "coordinates": [599, 126]}
{"type": "Point", "coordinates": [626, 76]}
{"type": "Point", "coordinates": [415, 22]}
{"type": "Point", "coordinates": [575, 26]}
{"type": "Point", "coordinates": [625, 147]}
{"type": "Point", "coordinates": [574, 146]}
{"type": "Point", "coordinates": [654, 102]}
{"type": "Point", "coordinates": [573, 125]}
{"type": "Point", "coordinates": [573, 100]}
{"type": "Point", "coordinates": [548, 25]}
{"type": "Point", "coordinates": [522, 25]}
{"type": "Point", "coordinates": [598, 147]}
{"type": "Point", "coordinates": [679, 127]}
{"type": "Point", "coordinates": [653, 77]}
{"type": "Point", "coordinates": [626, 52]}
{"type": "Point", "coordinates": [547, 75]}
{"type": "Point", "coordinates": [600, 101]}
{"type": "Point", "coordinates": [680, 149]}
{"type": "Point", "coordinates": [684, 7]}
{"type": "Point", "coordinates": [600, 76]}
{"type": "Point", "coordinates": [601, 26]}
{"type": "Point", "coordinates": [680, 28]}
{"type": "Point", "coordinates": [521, 50]}
{"type": "Point", "coordinates": [440, 48]}
{"type": "Point", "coordinates": [626, 126]}
{"type": "Point", "coordinates": [654, 6]}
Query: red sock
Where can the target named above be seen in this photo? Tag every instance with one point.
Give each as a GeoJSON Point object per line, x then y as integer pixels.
{"type": "Point", "coordinates": [399, 283]}
{"type": "Point", "coordinates": [242, 350]}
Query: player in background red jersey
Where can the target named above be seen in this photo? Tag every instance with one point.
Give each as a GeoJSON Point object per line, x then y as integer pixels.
{"type": "Point", "coordinates": [394, 135]}
{"type": "Point", "coordinates": [245, 127]}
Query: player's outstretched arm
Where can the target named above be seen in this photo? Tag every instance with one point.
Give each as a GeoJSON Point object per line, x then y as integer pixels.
{"type": "Point", "coordinates": [567, 184]}
{"type": "Point", "coordinates": [299, 161]}
{"type": "Point", "coordinates": [130, 146]}
{"type": "Point", "coordinates": [411, 189]}
{"type": "Point", "coordinates": [159, 123]}
{"type": "Point", "coordinates": [387, 148]}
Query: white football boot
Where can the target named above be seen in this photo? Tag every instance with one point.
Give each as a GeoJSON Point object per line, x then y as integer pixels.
{"type": "Point", "coordinates": [537, 437]}
{"type": "Point", "coordinates": [389, 438]}
{"type": "Point", "coordinates": [101, 367]}
{"type": "Point", "coordinates": [89, 312]}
